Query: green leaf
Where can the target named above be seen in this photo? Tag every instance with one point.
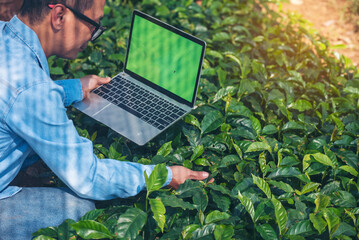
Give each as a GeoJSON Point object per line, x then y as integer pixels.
{"type": "Point", "coordinates": [351, 214]}
{"type": "Point", "coordinates": [306, 161]}
{"type": "Point", "coordinates": [228, 161]}
{"type": "Point", "coordinates": [280, 103]}
{"type": "Point", "coordinates": [56, 71]}
{"type": "Point", "coordinates": [266, 231]}
{"type": "Point", "coordinates": [159, 211]}
{"type": "Point", "coordinates": [318, 222]}
{"type": "Point", "coordinates": [89, 229]}
{"type": "Point", "coordinates": [192, 134]}
{"type": "Point", "coordinates": [245, 88]}
{"type": "Point", "coordinates": [215, 54]}
{"type": "Point", "coordinates": [321, 202]}
{"type": "Point", "coordinates": [345, 230]}
{"type": "Point", "coordinates": [173, 201]}
{"type": "Point", "coordinates": [224, 92]}
{"type": "Point", "coordinates": [220, 189]}
{"type": "Point", "coordinates": [165, 149]}
{"type": "Point", "coordinates": [50, 232]}
{"type": "Point", "coordinates": [243, 132]}
{"type": "Point", "coordinates": [211, 121]}
{"type": "Point", "coordinates": [291, 125]}
{"type": "Point", "coordinates": [323, 159]}
{"type": "Point", "coordinates": [204, 232]}
{"type": "Point", "coordinates": [202, 162]}
{"type": "Point", "coordinates": [200, 200]}
{"type": "Point", "coordinates": [96, 56]}
{"type": "Point", "coordinates": [188, 188]}
{"type": "Point", "coordinates": [332, 221]}
{"type": "Point", "coordinates": [302, 227]}
{"type": "Point", "coordinates": [285, 172]}
{"type": "Point", "coordinates": [113, 153]}
{"type": "Point", "coordinates": [263, 185]}
{"type": "Point", "coordinates": [280, 214]}
{"type": "Point", "coordinates": [222, 36]}
{"type": "Point", "coordinates": [92, 215]}
{"type": "Point", "coordinates": [318, 157]}
{"type": "Point", "coordinates": [259, 147]}
{"type": "Point", "coordinates": [130, 223]}
{"type": "Point", "coordinates": [222, 77]}
{"type": "Point", "coordinates": [349, 169]}
{"type": "Point", "coordinates": [223, 202]}
{"type": "Point", "coordinates": [190, 119]}
{"type": "Point", "coordinates": [302, 105]}
{"type": "Point", "coordinates": [248, 205]}
{"type": "Point", "coordinates": [262, 163]}
{"type": "Point", "coordinates": [256, 125]}
{"type": "Point", "coordinates": [238, 150]}
{"type": "Point", "coordinates": [162, 10]}
{"type": "Point", "coordinates": [65, 231]}
{"type": "Point", "coordinates": [157, 178]}
{"type": "Point", "coordinates": [188, 230]}
{"type": "Point", "coordinates": [282, 185]}
{"type": "Point", "coordinates": [269, 130]}
{"type": "Point", "coordinates": [223, 232]}
{"type": "Point", "coordinates": [216, 216]}
{"type": "Point", "coordinates": [343, 199]}
{"type": "Point", "coordinates": [43, 237]}
{"type": "Point", "coordinates": [263, 209]}
{"type": "Point", "coordinates": [197, 151]}
{"type": "Point", "coordinates": [309, 187]}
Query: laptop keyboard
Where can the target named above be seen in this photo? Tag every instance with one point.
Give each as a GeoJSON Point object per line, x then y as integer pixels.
{"type": "Point", "coordinates": [140, 102]}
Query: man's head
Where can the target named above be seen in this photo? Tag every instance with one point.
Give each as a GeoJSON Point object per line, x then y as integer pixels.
{"type": "Point", "coordinates": [61, 26]}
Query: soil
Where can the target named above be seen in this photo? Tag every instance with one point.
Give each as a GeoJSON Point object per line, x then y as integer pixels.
{"type": "Point", "coordinates": [332, 20]}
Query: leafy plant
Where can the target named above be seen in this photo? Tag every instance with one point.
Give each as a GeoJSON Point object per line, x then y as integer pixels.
{"type": "Point", "coordinates": [276, 125]}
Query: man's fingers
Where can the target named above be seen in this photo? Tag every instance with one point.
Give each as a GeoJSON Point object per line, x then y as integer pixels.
{"type": "Point", "coordinates": [105, 80]}
{"type": "Point", "coordinates": [199, 175]}
{"type": "Point", "coordinates": [102, 80]}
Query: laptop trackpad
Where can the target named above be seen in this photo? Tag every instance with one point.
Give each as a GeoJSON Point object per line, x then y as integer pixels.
{"type": "Point", "coordinates": [126, 124]}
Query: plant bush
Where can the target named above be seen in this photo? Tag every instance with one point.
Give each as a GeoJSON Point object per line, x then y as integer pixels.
{"type": "Point", "coordinates": [276, 125]}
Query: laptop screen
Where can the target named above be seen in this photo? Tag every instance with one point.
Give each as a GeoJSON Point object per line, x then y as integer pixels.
{"type": "Point", "coordinates": [165, 57]}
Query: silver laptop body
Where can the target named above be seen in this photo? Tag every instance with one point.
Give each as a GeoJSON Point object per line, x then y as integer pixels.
{"type": "Point", "coordinates": [158, 85]}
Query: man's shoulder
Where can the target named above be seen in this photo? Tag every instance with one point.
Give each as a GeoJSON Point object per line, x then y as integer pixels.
{"type": "Point", "coordinates": [18, 63]}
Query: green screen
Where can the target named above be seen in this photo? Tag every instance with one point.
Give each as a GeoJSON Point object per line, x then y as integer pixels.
{"type": "Point", "coordinates": [164, 58]}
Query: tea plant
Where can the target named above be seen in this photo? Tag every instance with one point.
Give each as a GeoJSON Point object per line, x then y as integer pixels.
{"type": "Point", "coordinates": [276, 125]}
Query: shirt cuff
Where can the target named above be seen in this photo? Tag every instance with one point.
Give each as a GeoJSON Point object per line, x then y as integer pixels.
{"type": "Point", "coordinates": [169, 176]}
{"type": "Point", "coordinates": [73, 90]}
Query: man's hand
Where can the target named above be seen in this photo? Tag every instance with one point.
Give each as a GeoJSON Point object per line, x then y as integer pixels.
{"type": "Point", "coordinates": [181, 174]}
{"type": "Point", "coordinates": [90, 82]}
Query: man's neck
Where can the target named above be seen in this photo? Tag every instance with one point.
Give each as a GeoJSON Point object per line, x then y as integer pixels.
{"type": "Point", "coordinates": [42, 31]}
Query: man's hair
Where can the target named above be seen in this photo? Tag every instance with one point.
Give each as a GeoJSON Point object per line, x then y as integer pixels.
{"type": "Point", "coordinates": [36, 10]}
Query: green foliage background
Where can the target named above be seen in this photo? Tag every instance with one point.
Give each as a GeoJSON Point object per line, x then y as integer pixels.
{"type": "Point", "coordinates": [276, 125]}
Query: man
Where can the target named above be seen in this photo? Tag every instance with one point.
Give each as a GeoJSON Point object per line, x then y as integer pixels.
{"type": "Point", "coordinates": [33, 121]}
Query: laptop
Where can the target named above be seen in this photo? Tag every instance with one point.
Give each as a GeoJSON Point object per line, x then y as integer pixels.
{"type": "Point", "coordinates": [158, 85]}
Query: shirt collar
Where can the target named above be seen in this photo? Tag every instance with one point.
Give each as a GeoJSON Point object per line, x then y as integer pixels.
{"type": "Point", "coordinates": [29, 37]}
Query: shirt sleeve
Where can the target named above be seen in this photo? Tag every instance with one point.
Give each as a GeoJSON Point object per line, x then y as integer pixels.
{"type": "Point", "coordinates": [72, 89]}
{"type": "Point", "coordinates": [39, 117]}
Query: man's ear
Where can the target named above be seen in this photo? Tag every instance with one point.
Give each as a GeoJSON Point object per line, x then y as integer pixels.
{"type": "Point", "coordinates": [57, 17]}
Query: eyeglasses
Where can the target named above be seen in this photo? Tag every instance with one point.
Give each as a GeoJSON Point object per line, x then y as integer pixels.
{"type": "Point", "coordinates": [98, 28]}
